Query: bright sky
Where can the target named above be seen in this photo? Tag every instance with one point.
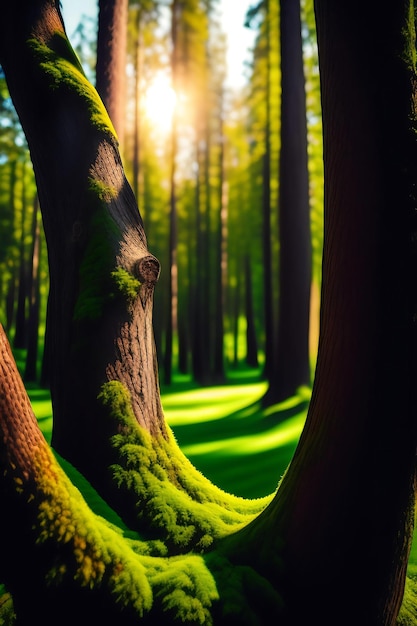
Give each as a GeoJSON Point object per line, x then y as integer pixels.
{"type": "Point", "coordinates": [239, 38]}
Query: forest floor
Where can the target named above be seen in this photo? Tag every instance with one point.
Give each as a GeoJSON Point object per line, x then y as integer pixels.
{"type": "Point", "coordinates": [225, 432]}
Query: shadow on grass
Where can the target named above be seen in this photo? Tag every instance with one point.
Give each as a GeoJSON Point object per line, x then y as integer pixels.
{"type": "Point", "coordinates": [224, 431]}
{"type": "Point", "coordinates": [245, 451]}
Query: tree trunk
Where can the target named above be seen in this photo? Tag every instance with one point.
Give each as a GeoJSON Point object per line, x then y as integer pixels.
{"type": "Point", "coordinates": [20, 335]}
{"type": "Point", "coordinates": [292, 360]}
{"type": "Point", "coordinates": [333, 544]}
{"type": "Point", "coordinates": [220, 269]}
{"type": "Point", "coordinates": [34, 300]}
{"type": "Point", "coordinates": [108, 419]}
{"type": "Point", "coordinates": [101, 273]}
{"type": "Point", "coordinates": [343, 513]}
{"type": "Point", "coordinates": [251, 343]}
{"type": "Point", "coordinates": [111, 60]}
{"type": "Point", "coordinates": [266, 218]}
{"type": "Point", "coordinates": [172, 312]}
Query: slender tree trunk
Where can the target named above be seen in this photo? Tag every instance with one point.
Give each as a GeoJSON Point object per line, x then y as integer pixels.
{"type": "Point", "coordinates": [266, 218]}
{"type": "Point", "coordinates": [221, 266]}
{"type": "Point", "coordinates": [20, 335]}
{"type": "Point", "coordinates": [111, 60]}
{"type": "Point", "coordinates": [34, 301]}
{"type": "Point", "coordinates": [171, 323]}
{"type": "Point", "coordinates": [292, 360]}
{"type": "Point", "coordinates": [11, 291]}
{"type": "Point", "coordinates": [251, 342]}
{"type": "Point", "coordinates": [137, 101]}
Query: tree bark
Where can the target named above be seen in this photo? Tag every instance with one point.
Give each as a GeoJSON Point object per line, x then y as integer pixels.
{"type": "Point", "coordinates": [344, 510]}
{"type": "Point", "coordinates": [291, 352]}
{"type": "Point", "coordinates": [268, 297]}
{"type": "Point", "coordinates": [31, 373]}
{"type": "Point", "coordinates": [111, 60]}
{"type": "Point", "coordinates": [251, 342]}
{"type": "Point", "coordinates": [101, 273]}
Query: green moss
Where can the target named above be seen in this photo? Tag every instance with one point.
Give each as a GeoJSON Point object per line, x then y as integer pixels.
{"type": "Point", "coordinates": [409, 37]}
{"type": "Point", "coordinates": [103, 192]}
{"type": "Point", "coordinates": [7, 614]}
{"type": "Point", "coordinates": [62, 68]}
{"type": "Point", "coordinates": [126, 283]}
{"type": "Point", "coordinates": [408, 611]}
{"type": "Point", "coordinates": [95, 286]}
{"type": "Point", "coordinates": [90, 553]}
{"type": "Point", "coordinates": [174, 500]}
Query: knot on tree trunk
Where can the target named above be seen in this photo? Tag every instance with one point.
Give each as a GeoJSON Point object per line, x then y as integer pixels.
{"type": "Point", "coordinates": [147, 269]}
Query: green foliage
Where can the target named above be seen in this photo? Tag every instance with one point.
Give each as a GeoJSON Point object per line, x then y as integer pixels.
{"type": "Point", "coordinates": [62, 68]}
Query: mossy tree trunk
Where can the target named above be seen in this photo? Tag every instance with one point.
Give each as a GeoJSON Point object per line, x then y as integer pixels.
{"type": "Point", "coordinates": [102, 275]}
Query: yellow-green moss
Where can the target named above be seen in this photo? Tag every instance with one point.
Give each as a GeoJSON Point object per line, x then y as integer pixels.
{"type": "Point", "coordinates": [61, 66]}
{"type": "Point", "coordinates": [126, 283]}
{"type": "Point", "coordinates": [408, 611]}
{"type": "Point", "coordinates": [173, 498]}
{"type": "Point", "coordinates": [92, 554]}
{"type": "Point", "coordinates": [7, 614]}
{"type": "Point", "coordinates": [409, 34]}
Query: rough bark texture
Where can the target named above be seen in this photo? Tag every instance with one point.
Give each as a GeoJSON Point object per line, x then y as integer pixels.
{"type": "Point", "coordinates": [344, 510]}
{"type": "Point", "coordinates": [111, 60]}
{"type": "Point", "coordinates": [102, 275]}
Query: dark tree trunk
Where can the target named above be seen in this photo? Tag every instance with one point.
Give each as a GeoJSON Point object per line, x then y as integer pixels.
{"type": "Point", "coordinates": [251, 342]}
{"type": "Point", "coordinates": [220, 272]}
{"type": "Point", "coordinates": [172, 309]}
{"type": "Point", "coordinates": [344, 510]}
{"type": "Point", "coordinates": [34, 301]}
{"type": "Point", "coordinates": [292, 361]}
{"type": "Point", "coordinates": [202, 327]}
{"type": "Point", "coordinates": [137, 100]}
{"type": "Point", "coordinates": [111, 60]}
{"type": "Point", "coordinates": [20, 335]}
{"type": "Point", "coordinates": [266, 217]}
{"type": "Point", "coordinates": [11, 291]}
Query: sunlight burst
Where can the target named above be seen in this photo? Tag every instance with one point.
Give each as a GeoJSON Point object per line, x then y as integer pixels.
{"type": "Point", "coordinates": [160, 101]}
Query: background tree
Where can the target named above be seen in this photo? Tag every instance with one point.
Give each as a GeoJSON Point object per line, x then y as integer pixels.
{"type": "Point", "coordinates": [291, 361]}
{"type": "Point", "coordinates": [111, 60]}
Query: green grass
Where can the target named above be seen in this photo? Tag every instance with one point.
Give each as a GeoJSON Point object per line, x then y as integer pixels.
{"type": "Point", "coordinates": [240, 446]}
{"type": "Point", "coordinates": [223, 430]}
{"type": "Point", "coordinates": [225, 433]}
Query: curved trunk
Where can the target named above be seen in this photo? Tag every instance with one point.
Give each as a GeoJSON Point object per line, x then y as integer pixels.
{"type": "Point", "coordinates": [101, 273]}
{"type": "Point", "coordinates": [342, 518]}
